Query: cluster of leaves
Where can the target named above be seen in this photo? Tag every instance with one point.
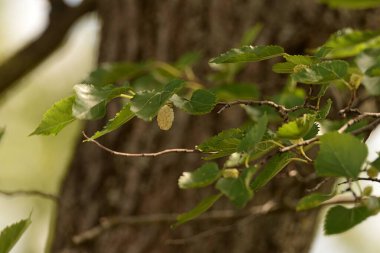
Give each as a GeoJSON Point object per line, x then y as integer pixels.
{"type": "Point", "coordinates": [273, 138]}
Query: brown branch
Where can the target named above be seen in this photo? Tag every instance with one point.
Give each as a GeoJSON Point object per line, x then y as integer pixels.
{"type": "Point", "coordinates": [111, 222]}
{"type": "Point", "coordinates": [29, 193]}
{"type": "Point", "coordinates": [166, 151]}
{"type": "Point", "coordinates": [62, 18]}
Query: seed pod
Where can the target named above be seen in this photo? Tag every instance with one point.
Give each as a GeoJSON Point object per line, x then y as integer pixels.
{"type": "Point", "coordinates": [165, 117]}
{"type": "Point", "coordinates": [230, 173]}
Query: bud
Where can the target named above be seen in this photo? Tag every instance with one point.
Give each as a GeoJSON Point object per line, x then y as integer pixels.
{"type": "Point", "coordinates": [355, 81]}
{"type": "Point", "coordinates": [372, 172]}
{"type": "Point", "coordinates": [367, 190]}
{"type": "Point", "coordinates": [165, 117]}
{"type": "Point", "coordinates": [230, 173]}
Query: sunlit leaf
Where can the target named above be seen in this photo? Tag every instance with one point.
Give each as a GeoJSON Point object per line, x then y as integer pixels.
{"type": "Point", "coordinates": [201, 177]}
{"type": "Point", "coordinates": [56, 118]}
{"type": "Point", "coordinates": [202, 207]}
{"type": "Point", "coordinates": [90, 100]}
{"type": "Point", "coordinates": [296, 129]}
{"type": "Point", "coordinates": [249, 54]}
{"type": "Point", "coordinates": [323, 72]}
{"type": "Point", "coordinates": [349, 42]}
{"type": "Point", "coordinates": [340, 155]}
{"type": "Point", "coordinates": [11, 234]}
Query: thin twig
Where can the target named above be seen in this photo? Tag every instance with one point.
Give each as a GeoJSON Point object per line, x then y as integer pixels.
{"type": "Point", "coordinates": [111, 222]}
{"type": "Point", "coordinates": [29, 193]}
{"type": "Point", "coordinates": [282, 110]}
{"type": "Point", "coordinates": [166, 151]}
{"type": "Point", "coordinates": [361, 179]}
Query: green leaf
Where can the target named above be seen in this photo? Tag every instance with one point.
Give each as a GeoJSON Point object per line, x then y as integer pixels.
{"type": "Point", "coordinates": [340, 219]}
{"type": "Point", "coordinates": [349, 42]}
{"type": "Point", "coordinates": [324, 110]}
{"type": "Point", "coordinates": [202, 207]}
{"type": "Point", "coordinates": [2, 131]}
{"type": "Point", "coordinates": [111, 73]}
{"type": "Point", "coordinates": [122, 117]}
{"type": "Point", "coordinates": [147, 104]}
{"type": "Point", "coordinates": [283, 67]}
{"type": "Point", "coordinates": [300, 59]}
{"type": "Point", "coordinates": [254, 135]}
{"type": "Point", "coordinates": [296, 129]}
{"type": "Point", "coordinates": [201, 102]}
{"type": "Point", "coordinates": [271, 169]}
{"type": "Point", "coordinates": [201, 177]}
{"type": "Point", "coordinates": [340, 155]}
{"type": "Point", "coordinates": [11, 234]}
{"type": "Point", "coordinates": [237, 189]}
{"type": "Point", "coordinates": [90, 100]}
{"type": "Point", "coordinates": [56, 118]}
{"type": "Point", "coordinates": [374, 70]}
{"type": "Point", "coordinates": [365, 61]}
{"type": "Point", "coordinates": [376, 163]}
{"type": "Point", "coordinates": [352, 4]}
{"type": "Point", "coordinates": [249, 54]}
{"type": "Point", "coordinates": [323, 72]}
{"type": "Point", "coordinates": [235, 91]}
{"type": "Point", "coordinates": [314, 130]}
{"type": "Point", "coordinates": [322, 52]}
{"type": "Point", "coordinates": [312, 201]}
{"type": "Point", "coordinates": [223, 144]}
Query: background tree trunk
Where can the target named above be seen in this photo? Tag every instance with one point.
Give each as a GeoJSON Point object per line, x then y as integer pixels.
{"type": "Point", "coordinates": [101, 185]}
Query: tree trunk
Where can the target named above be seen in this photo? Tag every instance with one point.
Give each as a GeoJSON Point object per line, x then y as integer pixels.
{"type": "Point", "coordinates": [102, 185]}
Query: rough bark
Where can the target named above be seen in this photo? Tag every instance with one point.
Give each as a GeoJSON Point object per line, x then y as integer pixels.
{"type": "Point", "coordinates": [101, 185]}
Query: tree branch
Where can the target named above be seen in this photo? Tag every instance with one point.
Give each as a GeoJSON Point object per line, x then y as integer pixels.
{"type": "Point", "coordinates": [111, 222]}
{"type": "Point", "coordinates": [62, 18]}
{"type": "Point", "coordinates": [29, 193]}
{"type": "Point", "coordinates": [166, 151]}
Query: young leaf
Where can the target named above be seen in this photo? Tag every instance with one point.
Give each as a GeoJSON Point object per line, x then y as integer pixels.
{"type": "Point", "coordinates": [323, 72]}
{"type": "Point", "coordinates": [271, 169]}
{"type": "Point", "coordinates": [147, 104]}
{"type": "Point", "coordinates": [122, 117]}
{"type": "Point", "coordinates": [201, 102]}
{"type": "Point", "coordinates": [237, 189]}
{"type": "Point", "coordinates": [283, 67]}
{"type": "Point", "coordinates": [300, 59]}
{"type": "Point", "coordinates": [56, 118]}
{"type": "Point", "coordinates": [296, 129]}
{"type": "Point", "coordinates": [312, 201]}
{"type": "Point", "coordinates": [201, 177]}
{"type": "Point", "coordinates": [11, 234]}
{"type": "Point", "coordinates": [249, 54]}
{"type": "Point", "coordinates": [254, 135]}
{"type": "Point", "coordinates": [340, 155]}
{"type": "Point", "coordinates": [340, 219]}
{"type": "Point", "coordinates": [223, 144]}
{"type": "Point", "coordinates": [202, 207]}
{"type": "Point", "coordinates": [90, 100]}
{"type": "Point", "coordinates": [324, 110]}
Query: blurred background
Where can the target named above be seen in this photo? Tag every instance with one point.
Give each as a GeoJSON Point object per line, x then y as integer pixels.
{"type": "Point", "coordinates": [38, 163]}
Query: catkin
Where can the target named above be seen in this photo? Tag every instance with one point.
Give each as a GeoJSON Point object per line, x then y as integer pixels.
{"type": "Point", "coordinates": [165, 117]}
